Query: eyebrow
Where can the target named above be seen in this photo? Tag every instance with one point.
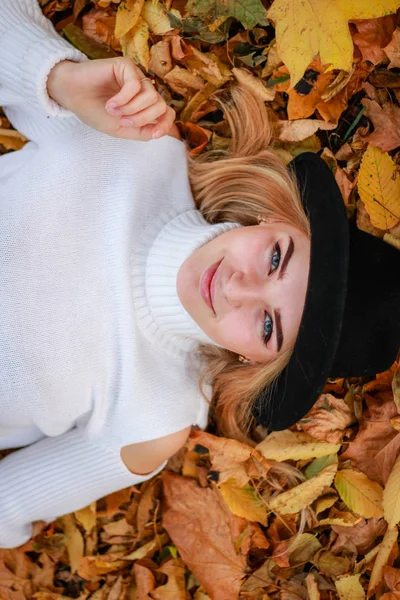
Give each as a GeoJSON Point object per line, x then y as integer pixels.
{"type": "Point", "coordinates": [278, 329]}
{"type": "Point", "coordinates": [288, 256]}
{"type": "Point", "coordinates": [277, 313]}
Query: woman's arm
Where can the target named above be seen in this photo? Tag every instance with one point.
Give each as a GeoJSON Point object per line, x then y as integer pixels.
{"type": "Point", "coordinates": [29, 49]}
{"type": "Point", "coordinates": [88, 89]}
{"type": "Point", "coordinates": [56, 476]}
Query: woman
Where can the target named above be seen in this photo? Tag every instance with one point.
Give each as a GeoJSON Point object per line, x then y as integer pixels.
{"type": "Point", "coordinates": [117, 293]}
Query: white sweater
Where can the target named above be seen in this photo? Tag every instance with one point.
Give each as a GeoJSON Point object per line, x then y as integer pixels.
{"type": "Point", "coordinates": [96, 351]}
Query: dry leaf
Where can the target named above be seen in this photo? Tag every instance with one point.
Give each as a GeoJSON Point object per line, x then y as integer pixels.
{"type": "Point", "coordinates": [373, 35]}
{"type": "Point", "coordinates": [200, 525]}
{"type": "Point", "coordinates": [379, 188]}
{"type": "Point", "coordinates": [361, 495]}
{"type": "Point", "coordinates": [327, 419]}
{"type": "Point", "coordinates": [127, 16]}
{"type": "Point", "coordinates": [295, 445]}
{"type": "Point", "coordinates": [305, 28]}
{"type": "Point", "coordinates": [302, 495]}
{"type": "Point", "coordinates": [135, 43]}
{"type": "Point", "coordinates": [393, 50]}
{"type": "Point", "coordinates": [386, 122]}
{"type": "Point", "coordinates": [244, 501]}
{"type": "Point", "coordinates": [381, 560]}
{"type": "Point", "coordinates": [75, 544]}
{"type": "Point", "coordinates": [350, 588]}
{"type": "Point", "coordinates": [254, 83]}
{"type": "Point", "coordinates": [295, 131]}
{"type": "Point", "coordinates": [391, 496]}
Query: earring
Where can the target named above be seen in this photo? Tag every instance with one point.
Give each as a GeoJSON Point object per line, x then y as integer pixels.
{"type": "Point", "coordinates": [244, 360]}
{"type": "Point", "coordinates": [261, 219]}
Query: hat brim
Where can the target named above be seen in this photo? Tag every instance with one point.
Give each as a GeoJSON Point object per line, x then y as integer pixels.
{"type": "Point", "coordinates": [300, 383]}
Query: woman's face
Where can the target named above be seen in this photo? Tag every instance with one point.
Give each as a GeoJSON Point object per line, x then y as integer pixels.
{"type": "Point", "coordinates": [246, 288]}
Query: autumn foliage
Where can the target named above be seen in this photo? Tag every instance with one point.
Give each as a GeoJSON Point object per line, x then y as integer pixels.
{"type": "Point", "coordinates": [309, 512]}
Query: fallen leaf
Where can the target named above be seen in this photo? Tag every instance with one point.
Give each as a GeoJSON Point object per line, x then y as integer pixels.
{"type": "Point", "coordinates": [75, 543]}
{"type": "Point", "coordinates": [379, 188]}
{"type": "Point", "coordinates": [376, 437]}
{"type": "Point", "coordinates": [175, 588]}
{"type": "Point", "coordinates": [363, 534]}
{"type": "Point", "coordinates": [308, 27]}
{"type": "Point", "coordinates": [373, 35]}
{"type": "Point", "coordinates": [295, 445]}
{"type": "Point", "coordinates": [327, 419]}
{"type": "Point", "coordinates": [201, 527]}
{"type": "Point", "coordinates": [128, 15]}
{"type": "Point", "coordinates": [135, 43]}
{"type": "Point", "coordinates": [391, 496]}
{"type": "Point", "coordinates": [295, 131]}
{"type": "Point", "coordinates": [254, 83]}
{"type": "Point", "coordinates": [388, 542]}
{"type": "Point", "coordinates": [302, 495]}
{"type": "Point", "coordinates": [386, 122]}
{"type": "Point", "coordinates": [249, 13]}
{"type": "Point", "coordinates": [350, 588]}
{"type": "Point", "coordinates": [331, 565]}
{"type": "Point", "coordinates": [244, 501]}
{"type": "Point", "coordinates": [160, 61]}
{"type": "Point", "coordinates": [393, 50]}
{"type": "Point", "coordinates": [156, 18]}
{"type": "Point", "coordinates": [359, 493]}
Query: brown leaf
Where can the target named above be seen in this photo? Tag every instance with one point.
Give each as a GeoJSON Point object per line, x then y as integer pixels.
{"type": "Point", "coordinates": [363, 534]}
{"type": "Point", "coordinates": [373, 35]}
{"type": "Point", "coordinates": [175, 588]}
{"type": "Point", "coordinates": [393, 50]}
{"type": "Point", "coordinates": [145, 580]}
{"type": "Point", "coordinates": [329, 564]}
{"type": "Point", "coordinates": [160, 61]}
{"type": "Point", "coordinates": [200, 526]}
{"type": "Point", "coordinates": [386, 122]}
{"type": "Point", "coordinates": [376, 439]}
{"type": "Point", "coordinates": [327, 419]}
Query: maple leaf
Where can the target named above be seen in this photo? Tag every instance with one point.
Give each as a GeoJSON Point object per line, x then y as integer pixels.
{"type": "Point", "coordinates": [305, 28]}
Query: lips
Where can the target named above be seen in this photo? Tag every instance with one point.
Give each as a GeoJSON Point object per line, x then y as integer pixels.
{"type": "Point", "coordinates": [206, 289]}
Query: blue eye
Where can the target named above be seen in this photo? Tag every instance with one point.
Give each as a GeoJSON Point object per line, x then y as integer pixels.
{"type": "Point", "coordinates": [267, 329]}
{"type": "Point", "coordinates": [276, 259]}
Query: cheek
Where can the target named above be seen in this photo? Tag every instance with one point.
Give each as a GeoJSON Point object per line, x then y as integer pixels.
{"type": "Point", "coordinates": [237, 332]}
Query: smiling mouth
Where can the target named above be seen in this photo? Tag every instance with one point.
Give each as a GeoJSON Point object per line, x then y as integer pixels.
{"type": "Point", "coordinates": [206, 288]}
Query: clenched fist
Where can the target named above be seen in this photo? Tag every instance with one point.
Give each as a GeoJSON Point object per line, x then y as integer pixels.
{"type": "Point", "coordinates": [113, 96]}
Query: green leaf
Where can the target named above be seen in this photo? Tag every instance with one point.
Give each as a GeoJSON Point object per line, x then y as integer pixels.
{"type": "Point", "coordinates": [249, 12]}
{"type": "Point", "coordinates": [318, 464]}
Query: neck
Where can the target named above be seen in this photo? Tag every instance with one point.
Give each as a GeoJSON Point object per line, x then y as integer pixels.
{"type": "Point", "coordinates": [165, 245]}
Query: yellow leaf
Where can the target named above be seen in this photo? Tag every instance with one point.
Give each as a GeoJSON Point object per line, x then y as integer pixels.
{"type": "Point", "coordinates": [350, 588]}
{"type": "Point", "coordinates": [302, 495]}
{"type": "Point", "coordinates": [361, 495]}
{"type": "Point", "coordinates": [127, 16]}
{"type": "Point", "coordinates": [325, 502]}
{"type": "Point", "coordinates": [391, 496]}
{"type": "Point", "coordinates": [156, 17]}
{"type": "Point", "coordinates": [75, 544]}
{"type": "Point", "coordinates": [381, 560]}
{"type": "Point", "coordinates": [294, 445]}
{"type": "Point", "coordinates": [87, 516]}
{"type": "Point", "coordinates": [305, 28]}
{"type": "Point", "coordinates": [244, 502]}
{"type": "Point", "coordinates": [345, 519]}
{"type": "Point", "coordinates": [135, 43]}
{"type": "Point", "coordinates": [379, 188]}
{"type": "Point", "coordinates": [254, 83]}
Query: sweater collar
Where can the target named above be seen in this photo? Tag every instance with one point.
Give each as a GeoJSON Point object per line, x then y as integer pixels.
{"type": "Point", "coordinates": [162, 249]}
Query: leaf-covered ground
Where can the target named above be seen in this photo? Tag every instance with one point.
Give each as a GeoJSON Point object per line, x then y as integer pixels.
{"type": "Point", "coordinates": [222, 520]}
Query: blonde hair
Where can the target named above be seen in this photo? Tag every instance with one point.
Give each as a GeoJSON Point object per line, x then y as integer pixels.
{"type": "Point", "coordinates": [240, 184]}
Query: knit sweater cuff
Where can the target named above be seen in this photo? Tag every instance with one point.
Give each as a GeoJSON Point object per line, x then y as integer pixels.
{"type": "Point", "coordinates": [56, 476]}
{"type": "Point", "coordinates": [29, 49]}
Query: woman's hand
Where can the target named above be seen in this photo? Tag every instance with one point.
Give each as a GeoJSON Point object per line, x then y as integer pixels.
{"type": "Point", "coordinates": [91, 88]}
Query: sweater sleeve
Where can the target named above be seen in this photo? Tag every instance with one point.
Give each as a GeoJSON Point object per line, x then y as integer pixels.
{"type": "Point", "coordinates": [29, 48]}
{"type": "Point", "coordinates": [55, 476]}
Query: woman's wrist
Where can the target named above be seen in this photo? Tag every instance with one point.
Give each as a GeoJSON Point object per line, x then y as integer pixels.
{"type": "Point", "coordinates": [59, 82]}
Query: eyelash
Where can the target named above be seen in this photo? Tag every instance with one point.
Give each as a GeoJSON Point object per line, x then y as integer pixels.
{"type": "Point", "coordinates": [267, 336]}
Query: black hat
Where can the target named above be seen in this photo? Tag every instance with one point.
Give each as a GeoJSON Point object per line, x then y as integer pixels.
{"type": "Point", "coordinates": [350, 325]}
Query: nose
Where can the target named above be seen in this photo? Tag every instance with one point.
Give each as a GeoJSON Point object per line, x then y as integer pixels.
{"type": "Point", "coordinates": [245, 289]}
